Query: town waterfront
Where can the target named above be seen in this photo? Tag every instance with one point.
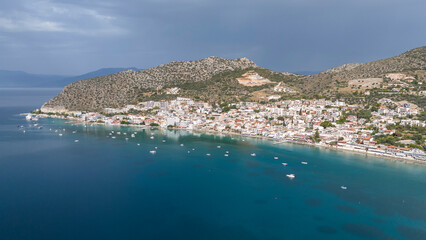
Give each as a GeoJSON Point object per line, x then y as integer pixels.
{"type": "Point", "coordinates": [100, 187]}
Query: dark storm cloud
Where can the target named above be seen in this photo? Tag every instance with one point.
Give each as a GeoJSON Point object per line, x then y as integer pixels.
{"type": "Point", "coordinates": [78, 36]}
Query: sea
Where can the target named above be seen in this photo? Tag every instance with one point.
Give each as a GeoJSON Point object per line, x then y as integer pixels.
{"type": "Point", "coordinates": [68, 180]}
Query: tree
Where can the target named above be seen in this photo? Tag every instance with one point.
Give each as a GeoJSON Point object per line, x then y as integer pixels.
{"type": "Point", "coordinates": [316, 136]}
{"type": "Point", "coordinates": [326, 124]}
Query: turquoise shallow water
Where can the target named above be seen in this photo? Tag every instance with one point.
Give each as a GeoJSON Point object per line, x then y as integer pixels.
{"type": "Point", "coordinates": [102, 188]}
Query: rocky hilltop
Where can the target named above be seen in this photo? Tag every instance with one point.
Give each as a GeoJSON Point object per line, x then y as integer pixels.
{"type": "Point", "coordinates": [126, 87]}
{"type": "Point", "coordinates": [330, 80]}
{"type": "Point", "coordinates": [344, 67]}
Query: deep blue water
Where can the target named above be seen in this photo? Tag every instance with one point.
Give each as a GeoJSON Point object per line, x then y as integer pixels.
{"type": "Point", "coordinates": [102, 188]}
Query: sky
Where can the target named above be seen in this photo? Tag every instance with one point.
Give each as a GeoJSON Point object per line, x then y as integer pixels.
{"type": "Point", "coordinates": [72, 37]}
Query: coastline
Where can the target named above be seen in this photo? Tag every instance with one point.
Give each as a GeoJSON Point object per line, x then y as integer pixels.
{"type": "Point", "coordinates": [275, 141]}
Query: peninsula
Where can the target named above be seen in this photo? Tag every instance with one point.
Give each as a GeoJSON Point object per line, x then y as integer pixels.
{"type": "Point", "coordinates": [375, 108]}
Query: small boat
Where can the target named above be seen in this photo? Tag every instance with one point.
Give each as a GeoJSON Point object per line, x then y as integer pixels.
{"type": "Point", "coordinates": [60, 134]}
{"type": "Point", "coordinates": [133, 135]}
{"type": "Point", "coordinates": [127, 139]}
{"type": "Point", "coordinates": [253, 154]}
{"type": "Point", "coordinates": [181, 144]}
{"type": "Point", "coordinates": [139, 144]}
{"type": "Point", "coordinates": [76, 141]}
{"type": "Point", "coordinates": [284, 164]}
{"type": "Point", "coordinates": [227, 152]}
{"type": "Point", "coordinates": [125, 133]}
{"type": "Point", "coordinates": [304, 163]}
{"type": "Point", "coordinates": [291, 176]}
{"type": "Point", "coordinates": [153, 152]}
{"type": "Point", "coordinates": [113, 137]}
{"type": "Point", "coordinates": [152, 137]}
{"type": "Point", "coordinates": [76, 131]}
{"type": "Point", "coordinates": [164, 140]}
{"type": "Point", "coordinates": [156, 147]}
{"type": "Point", "coordinates": [208, 154]}
{"type": "Point", "coordinates": [119, 133]}
{"type": "Point", "coordinates": [218, 146]}
{"type": "Point", "coordinates": [343, 187]}
{"type": "Point", "coordinates": [226, 155]}
{"type": "Point", "coordinates": [193, 149]}
{"type": "Point", "coordinates": [275, 158]}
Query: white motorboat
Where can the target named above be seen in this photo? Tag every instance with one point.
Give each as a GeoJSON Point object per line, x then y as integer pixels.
{"type": "Point", "coordinates": [153, 152]}
{"type": "Point", "coordinates": [284, 164]}
{"type": "Point", "coordinates": [291, 176]}
{"type": "Point", "coordinates": [152, 137]}
{"type": "Point", "coordinates": [76, 140]}
{"type": "Point", "coordinates": [208, 154]}
{"type": "Point", "coordinates": [253, 154]}
{"type": "Point", "coordinates": [304, 163]}
{"type": "Point", "coordinates": [181, 144]}
{"type": "Point", "coordinates": [226, 155]}
{"type": "Point", "coordinates": [275, 158]}
{"type": "Point", "coordinates": [343, 187]}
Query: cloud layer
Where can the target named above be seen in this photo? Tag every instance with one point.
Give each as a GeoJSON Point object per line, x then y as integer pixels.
{"type": "Point", "coordinates": [76, 36]}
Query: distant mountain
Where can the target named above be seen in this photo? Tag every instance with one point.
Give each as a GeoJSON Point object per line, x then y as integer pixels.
{"type": "Point", "coordinates": [23, 79]}
{"type": "Point", "coordinates": [97, 73]}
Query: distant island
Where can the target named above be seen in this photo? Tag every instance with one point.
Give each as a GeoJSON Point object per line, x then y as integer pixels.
{"type": "Point", "coordinates": [375, 108]}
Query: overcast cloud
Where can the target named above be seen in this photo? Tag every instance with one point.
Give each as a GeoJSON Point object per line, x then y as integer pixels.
{"type": "Point", "coordinates": [76, 36]}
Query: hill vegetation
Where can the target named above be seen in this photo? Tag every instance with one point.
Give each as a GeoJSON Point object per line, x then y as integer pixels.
{"type": "Point", "coordinates": [215, 80]}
